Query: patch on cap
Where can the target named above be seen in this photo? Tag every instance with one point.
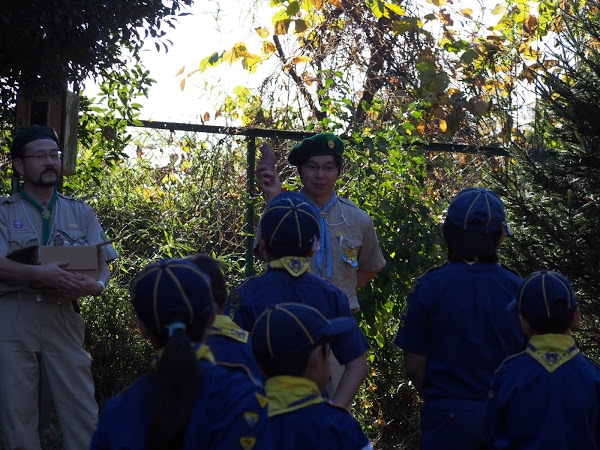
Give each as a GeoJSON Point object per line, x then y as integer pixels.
{"type": "Point", "coordinates": [172, 287]}
{"type": "Point", "coordinates": [289, 328]}
{"type": "Point", "coordinates": [319, 144]}
{"type": "Point", "coordinates": [289, 225]}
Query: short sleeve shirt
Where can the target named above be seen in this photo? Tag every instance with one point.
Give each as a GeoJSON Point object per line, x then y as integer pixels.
{"type": "Point", "coordinates": [457, 317]}
{"type": "Point", "coordinates": [73, 223]}
{"type": "Point", "coordinates": [251, 297]}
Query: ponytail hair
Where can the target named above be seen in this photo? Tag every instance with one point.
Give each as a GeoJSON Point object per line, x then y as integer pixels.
{"type": "Point", "coordinates": [176, 383]}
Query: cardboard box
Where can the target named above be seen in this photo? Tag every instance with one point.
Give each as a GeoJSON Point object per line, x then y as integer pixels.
{"type": "Point", "coordinates": [82, 259]}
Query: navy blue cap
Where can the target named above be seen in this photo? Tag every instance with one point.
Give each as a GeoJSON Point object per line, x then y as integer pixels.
{"type": "Point", "coordinates": [544, 294]}
{"type": "Point", "coordinates": [172, 288]}
{"type": "Point", "coordinates": [289, 328]}
{"type": "Point", "coordinates": [290, 225]}
{"type": "Point", "coordinates": [478, 209]}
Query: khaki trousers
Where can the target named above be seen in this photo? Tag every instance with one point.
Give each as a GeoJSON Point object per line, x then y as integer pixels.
{"type": "Point", "coordinates": [43, 336]}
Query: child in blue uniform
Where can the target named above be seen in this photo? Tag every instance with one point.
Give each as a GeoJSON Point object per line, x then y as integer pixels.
{"type": "Point", "coordinates": [456, 330]}
{"type": "Point", "coordinates": [548, 396]}
{"type": "Point", "coordinates": [230, 345]}
{"type": "Point", "coordinates": [186, 401]}
{"type": "Point", "coordinates": [292, 343]}
{"type": "Point", "coordinates": [289, 235]}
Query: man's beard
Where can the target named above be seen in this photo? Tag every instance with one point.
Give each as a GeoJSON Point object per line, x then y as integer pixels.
{"type": "Point", "coordinates": [40, 182]}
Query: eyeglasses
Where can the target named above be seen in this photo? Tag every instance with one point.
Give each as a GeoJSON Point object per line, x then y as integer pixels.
{"type": "Point", "coordinates": [312, 167]}
{"type": "Point", "coordinates": [54, 156]}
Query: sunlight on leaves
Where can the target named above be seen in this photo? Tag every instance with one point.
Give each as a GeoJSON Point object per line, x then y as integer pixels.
{"type": "Point", "coordinates": [263, 32]}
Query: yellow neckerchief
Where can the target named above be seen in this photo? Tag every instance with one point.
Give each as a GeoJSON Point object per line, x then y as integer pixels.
{"type": "Point", "coordinates": [295, 265]}
{"type": "Point", "coordinates": [224, 326]}
{"type": "Point", "coordinates": [288, 394]}
{"type": "Point", "coordinates": [202, 352]}
{"type": "Point", "coordinates": [552, 350]}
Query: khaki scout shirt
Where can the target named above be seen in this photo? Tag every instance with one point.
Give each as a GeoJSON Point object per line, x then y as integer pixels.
{"type": "Point", "coordinates": [350, 228]}
{"type": "Point", "coordinates": [73, 223]}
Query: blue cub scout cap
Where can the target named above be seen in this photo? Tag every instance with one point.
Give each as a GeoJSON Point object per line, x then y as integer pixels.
{"type": "Point", "coordinates": [478, 209]}
{"type": "Point", "coordinates": [544, 294]}
{"type": "Point", "coordinates": [319, 144]}
{"type": "Point", "coordinates": [289, 328]}
{"type": "Point", "coordinates": [172, 287]}
{"type": "Point", "coordinates": [289, 225]}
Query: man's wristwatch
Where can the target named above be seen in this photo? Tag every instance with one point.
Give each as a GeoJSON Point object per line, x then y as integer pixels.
{"type": "Point", "coordinates": [101, 283]}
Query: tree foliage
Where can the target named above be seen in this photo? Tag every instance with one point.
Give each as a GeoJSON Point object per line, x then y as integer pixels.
{"type": "Point", "coordinates": [552, 188]}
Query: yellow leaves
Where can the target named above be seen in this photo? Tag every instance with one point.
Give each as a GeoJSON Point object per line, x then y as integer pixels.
{"type": "Point", "coordinates": [318, 4]}
{"type": "Point", "coordinates": [337, 3]}
{"type": "Point", "coordinates": [498, 9]}
{"type": "Point", "coordinates": [443, 125]}
{"type": "Point", "coordinates": [437, 2]}
{"type": "Point", "coordinates": [300, 59]}
{"type": "Point", "coordinates": [262, 32]}
{"type": "Point", "coordinates": [180, 71]}
{"type": "Point", "coordinates": [268, 48]}
{"type": "Point", "coordinates": [281, 27]}
{"type": "Point", "coordinates": [182, 84]}
{"type": "Point", "coordinates": [467, 12]}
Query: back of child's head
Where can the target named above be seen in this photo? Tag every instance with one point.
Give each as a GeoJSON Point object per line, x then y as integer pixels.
{"type": "Point", "coordinates": [547, 302]}
{"type": "Point", "coordinates": [171, 295]}
{"type": "Point", "coordinates": [474, 225]}
{"type": "Point", "coordinates": [213, 268]}
{"type": "Point", "coordinates": [284, 335]}
{"type": "Point", "coordinates": [289, 225]}
{"type": "Point", "coordinates": [173, 300]}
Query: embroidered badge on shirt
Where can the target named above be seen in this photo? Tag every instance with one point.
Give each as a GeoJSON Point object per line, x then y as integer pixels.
{"type": "Point", "coordinates": [251, 418]}
{"type": "Point", "coordinates": [18, 224]}
{"type": "Point", "coordinates": [248, 442]}
{"type": "Point", "coordinates": [351, 257]}
{"type": "Point", "coordinates": [262, 400]}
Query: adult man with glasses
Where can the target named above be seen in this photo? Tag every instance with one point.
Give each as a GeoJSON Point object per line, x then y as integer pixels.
{"type": "Point", "coordinates": [349, 254]}
{"type": "Point", "coordinates": [39, 328]}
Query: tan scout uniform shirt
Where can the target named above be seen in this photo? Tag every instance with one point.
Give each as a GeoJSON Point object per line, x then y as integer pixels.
{"type": "Point", "coordinates": [350, 228]}
{"type": "Point", "coordinates": [73, 223]}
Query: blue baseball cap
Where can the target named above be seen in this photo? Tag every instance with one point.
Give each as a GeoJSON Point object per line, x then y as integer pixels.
{"type": "Point", "coordinates": [478, 209]}
{"type": "Point", "coordinates": [544, 294]}
{"type": "Point", "coordinates": [289, 328]}
{"type": "Point", "coordinates": [290, 225]}
{"type": "Point", "coordinates": [172, 288]}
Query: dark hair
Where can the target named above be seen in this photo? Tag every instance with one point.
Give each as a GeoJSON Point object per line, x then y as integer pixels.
{"type": "Point", "coordinates": [338, 160]}
{"type": "Point", "coordinates": [556, 324]}
{"type": "Point", "coordinates": [471, 245]}
{"type": "Point", "coordinates": [293, 364]}
{"type": "Point", "coordinates": [176, 382]}
{"type": "Point", "coordinates": [213, 268]}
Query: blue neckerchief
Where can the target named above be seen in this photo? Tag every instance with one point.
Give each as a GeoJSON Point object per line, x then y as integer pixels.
{"type": "Point", "coordinates": [324, 240]}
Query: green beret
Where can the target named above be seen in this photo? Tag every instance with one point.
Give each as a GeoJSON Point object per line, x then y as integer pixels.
{"type": "Point", "coordinates": [30, 134]}
{"type": "Point", "coordinates": [319, 144]}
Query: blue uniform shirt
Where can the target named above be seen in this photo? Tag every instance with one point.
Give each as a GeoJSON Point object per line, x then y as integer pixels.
{"type": "Point", "coordinates": [547, 397]}
{"type": "Point", "coordinates": [457, 318]}
{"type": "Point", "coordinates": [232, 347]}
{"type": "Point", "coordinates": [231, 413]}
{"type": "Point", "coordinates": [251, 297]}
{"type": "Point", "coordinates": [301, 419]}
